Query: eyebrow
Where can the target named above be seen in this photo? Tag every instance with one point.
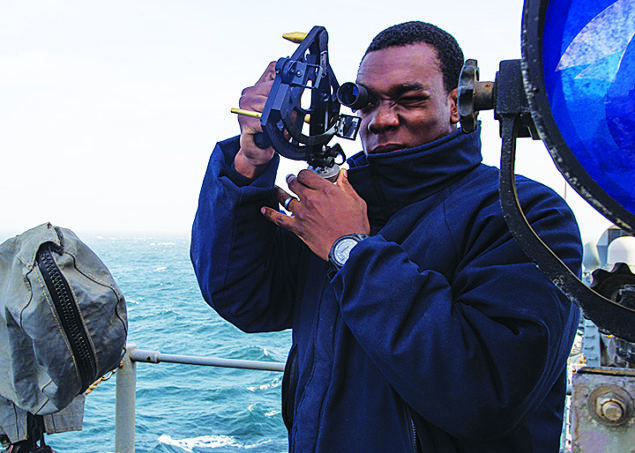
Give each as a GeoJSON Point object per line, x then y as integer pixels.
{"type": "Point", "coordinates": [396, 91]}
{"type": "Point", "coordinates": [406, 87]}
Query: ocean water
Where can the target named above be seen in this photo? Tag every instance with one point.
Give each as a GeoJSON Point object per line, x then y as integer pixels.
{"type": "Point", "coordinates": [182, 408]}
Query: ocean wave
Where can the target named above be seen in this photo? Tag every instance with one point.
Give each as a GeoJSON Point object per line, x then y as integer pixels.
{"type": "Point", "coordinates": [214, 441]}
{"type": "Point", "coordinates": [130, 301]}
{"type": "Point", "coordinates": [266, 386]}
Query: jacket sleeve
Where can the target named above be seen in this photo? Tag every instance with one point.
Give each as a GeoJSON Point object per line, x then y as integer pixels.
{"type": "Point", "coordinates": [243, 263]}
{"type": "Point", "coordinates": [476, 353]}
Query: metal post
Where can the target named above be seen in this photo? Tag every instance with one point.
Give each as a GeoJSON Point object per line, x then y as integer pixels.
{"type": "Point", "coordinates": [125, 406]}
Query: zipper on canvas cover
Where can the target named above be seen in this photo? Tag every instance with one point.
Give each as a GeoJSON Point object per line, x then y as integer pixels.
{"type": "Point", "coordinates": [68, 314]}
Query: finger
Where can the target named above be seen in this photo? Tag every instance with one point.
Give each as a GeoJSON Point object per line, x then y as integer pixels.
{"type": "Point", "coordinates": [269, 74]}
{"type": "Point", "coordinates": [255, 97]}
{"type": "Point", "coordinates": [282, 196]}
{"type": "Point", "coordinates": [263, 88]}
{"type": "Point", "coordinates": [343, 182]}
{"type": "Point", "coordinates": [282, 220]}
{"type": "Point", "coordinates": [249, 125]}
{"type": "Point", "coordinates": [312, 180]}
{"type": "Point", "coordinates": [296, 186]}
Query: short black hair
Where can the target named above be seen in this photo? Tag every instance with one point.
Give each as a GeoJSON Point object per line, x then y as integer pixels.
{"type": "Point", "coordinates": [448, 50]}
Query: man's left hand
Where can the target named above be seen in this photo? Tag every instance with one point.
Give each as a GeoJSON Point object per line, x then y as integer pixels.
{"type": "Point", "coordinates": [322, 211]}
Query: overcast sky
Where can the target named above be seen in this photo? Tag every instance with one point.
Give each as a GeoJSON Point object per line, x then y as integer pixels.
{"type": "Point", "coordinates": [109, 110]}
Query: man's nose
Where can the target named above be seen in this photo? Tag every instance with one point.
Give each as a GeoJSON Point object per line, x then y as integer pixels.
{"type": "Point", "coordinates": [383, 118]}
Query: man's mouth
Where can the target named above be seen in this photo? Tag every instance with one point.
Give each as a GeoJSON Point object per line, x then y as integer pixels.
{"type": "Point", "coordinates": [387, 148]}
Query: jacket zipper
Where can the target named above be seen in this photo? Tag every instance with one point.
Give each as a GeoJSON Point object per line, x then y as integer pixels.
{"type": "Point", "coordinates": [415, 442]}
{"type": "Point", "coordinates": [289, 385]}
{"type": "Point", "coordinates": [416, 446]}
{"type": "Point", "coordinates": [68, 314]}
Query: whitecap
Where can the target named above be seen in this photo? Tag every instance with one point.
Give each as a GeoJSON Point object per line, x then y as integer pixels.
{"type": "Point", "coordinates": [217, 441]}
{"type": "Point", "coordinates": [262, 387]}
{"type": "Point", "coordinates": [276, 382]}
{"type": "Point", "coordinates": [202, 441]}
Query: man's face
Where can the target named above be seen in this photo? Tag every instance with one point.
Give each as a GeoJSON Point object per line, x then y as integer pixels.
{"type": "Point", "coordinates": [409, 105]}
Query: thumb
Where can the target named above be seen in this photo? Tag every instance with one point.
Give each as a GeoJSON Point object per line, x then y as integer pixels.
{"type": "Point", "coordinates": [342, 181]}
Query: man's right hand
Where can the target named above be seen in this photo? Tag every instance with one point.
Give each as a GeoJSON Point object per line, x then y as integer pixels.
{"type": "Point", "coordinates": [251, 160]}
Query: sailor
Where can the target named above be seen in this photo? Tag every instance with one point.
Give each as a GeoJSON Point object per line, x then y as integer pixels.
{"type": "Point", "coordinates": [418, 323]}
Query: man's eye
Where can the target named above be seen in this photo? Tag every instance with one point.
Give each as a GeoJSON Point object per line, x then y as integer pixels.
{"type": "Point", "coordinates": [412, 100]}
{"type": "Point", "coordinates": [372, 103]}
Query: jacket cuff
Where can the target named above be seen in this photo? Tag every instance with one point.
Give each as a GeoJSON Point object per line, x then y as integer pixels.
{"type": "Point", "coordinates": [229, 149]}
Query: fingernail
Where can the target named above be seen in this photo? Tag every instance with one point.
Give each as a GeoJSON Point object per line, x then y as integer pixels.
{"type": "Point", "coordinates": [289, 177]}
{"type": "Point", "coordinates": [262, 211]}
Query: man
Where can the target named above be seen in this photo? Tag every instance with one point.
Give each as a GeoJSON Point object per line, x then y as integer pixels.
{"type": "Point", "coordinates": [435, 333]}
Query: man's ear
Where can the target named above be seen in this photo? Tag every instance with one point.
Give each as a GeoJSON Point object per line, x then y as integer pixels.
{"type": "Point", "coordinates": [454, 106]}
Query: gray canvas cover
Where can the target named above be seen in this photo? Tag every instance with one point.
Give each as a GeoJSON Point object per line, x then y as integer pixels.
{"type": "Point", "coordinates": [38, 371]}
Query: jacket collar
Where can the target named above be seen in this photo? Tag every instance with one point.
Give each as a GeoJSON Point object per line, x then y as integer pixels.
{"type": "Point", "coordinates": [391, 181]}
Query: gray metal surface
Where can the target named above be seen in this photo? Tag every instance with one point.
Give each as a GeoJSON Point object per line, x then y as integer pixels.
{"type": "Point", "coordinates": [603, 416]}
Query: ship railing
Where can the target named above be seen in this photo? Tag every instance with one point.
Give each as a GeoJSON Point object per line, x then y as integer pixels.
{"type": "Point", "coordinates": [127, 384]}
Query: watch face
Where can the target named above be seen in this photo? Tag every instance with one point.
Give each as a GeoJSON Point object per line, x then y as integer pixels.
{"type": "Point", "coordinates": [343, 249]}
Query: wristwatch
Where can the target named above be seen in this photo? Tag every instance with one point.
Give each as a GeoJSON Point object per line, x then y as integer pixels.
{"type": "Point", "coordinates": [341, 249]}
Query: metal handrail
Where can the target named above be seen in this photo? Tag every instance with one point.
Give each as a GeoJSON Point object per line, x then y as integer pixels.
{"type": "Point", "coordinates": [141, 355]}
{"type": "Point", "coordinates": [127, 383]}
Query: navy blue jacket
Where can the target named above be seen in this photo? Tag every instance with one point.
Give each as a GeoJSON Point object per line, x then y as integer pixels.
{"type": "Point", "coordinates": [438, 323]}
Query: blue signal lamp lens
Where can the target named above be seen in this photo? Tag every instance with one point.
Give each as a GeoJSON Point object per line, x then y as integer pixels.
{"type": "Point", "coordinates": [589, 76]}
